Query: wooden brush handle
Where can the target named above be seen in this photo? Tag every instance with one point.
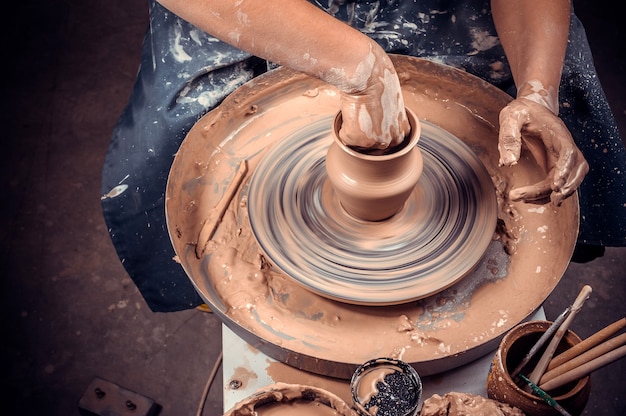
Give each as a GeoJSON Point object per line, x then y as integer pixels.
{"type": "Point", "coordinates": [588, 343]}
{"type": "Point", "coordinates": [585, 369]}
{"type": "Point", "coordinates": [584, 358]}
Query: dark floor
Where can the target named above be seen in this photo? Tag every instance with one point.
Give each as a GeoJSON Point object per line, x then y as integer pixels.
{"type": "Point", "coordinates": [69, 311]}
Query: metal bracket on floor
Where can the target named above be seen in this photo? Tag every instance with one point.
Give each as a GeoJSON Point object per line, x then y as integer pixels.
{"type": "Point", "coordinates": [104, 398]}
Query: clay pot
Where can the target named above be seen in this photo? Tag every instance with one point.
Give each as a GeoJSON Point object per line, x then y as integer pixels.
{"type": "Point", "coordinates": [374, 187]}
{"type": "Point", "coordinates": [514, 346]}
{"type": "Point", "coordinates": [282, 399]}
{"type": "Point", "coordinates": [386, 385]}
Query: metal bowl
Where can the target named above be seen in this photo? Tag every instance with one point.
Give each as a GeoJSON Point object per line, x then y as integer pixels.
{"type": "Point", "coordinates": [520, 267]}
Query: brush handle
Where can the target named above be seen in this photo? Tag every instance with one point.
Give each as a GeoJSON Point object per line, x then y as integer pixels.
{"type": "Point", "coordinates": [542, 340]}
{"type": "Point", "coordinates": [584, 370]}
{"type": "Point", "coordinates": [537, 373]}
{"type": "Point", "coordinates": [584, 358]}
{"type": "Point", "coordinates": [595, 339]}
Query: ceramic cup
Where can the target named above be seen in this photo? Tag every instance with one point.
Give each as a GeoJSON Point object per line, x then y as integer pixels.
{"type": "Point", "coordinates": [512, 350]}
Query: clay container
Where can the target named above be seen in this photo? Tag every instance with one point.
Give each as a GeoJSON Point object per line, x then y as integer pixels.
{"type": "Point", "coordinates": [370, 186]}
{"type": "Point", "coordinates": [282, 399]}
{"type": "Point", "coordinates": [513, 347]}
{"type": "Point", "coordinates": [386, 386]}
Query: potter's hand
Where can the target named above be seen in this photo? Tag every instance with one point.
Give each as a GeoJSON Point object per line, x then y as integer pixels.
{"type": "Point", "coordinates": [551, 144]}
{"type": "Point", "coordinates": [534, 37]}
{"type": "Point", "coordinates": [301, 36]}
{"type": "Point", "coordinates": [372, 107]}
{"type": "Point", "coordinates": [375, 117]}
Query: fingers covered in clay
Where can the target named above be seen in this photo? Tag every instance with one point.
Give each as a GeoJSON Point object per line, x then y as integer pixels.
{"type": "Point", "coordinates": [367, 123]}
{"type": "Point", "coordinates": [551, 144]}
{"type": "Point", "coordinates": [374, 116]}
{"type": "Point", "coordinates": [536, 192]}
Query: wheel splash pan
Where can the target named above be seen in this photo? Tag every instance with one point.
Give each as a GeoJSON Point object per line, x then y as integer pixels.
{"type": "Point", "coordinates": [530, 251]}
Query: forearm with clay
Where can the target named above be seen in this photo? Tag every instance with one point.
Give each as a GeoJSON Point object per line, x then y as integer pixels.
{"type": "Point", "coordinates": [298, 35]}
{"type": "Point", "coordinates": [534, 36]}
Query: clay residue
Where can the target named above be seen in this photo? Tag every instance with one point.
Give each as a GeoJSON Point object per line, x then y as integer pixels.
{"type": "Point", "coordinates": [291, 375]}
{"type": "Point", "coordinates": [240, 378]}
{"type": "Point", "coordinates": [300, 408]}
{"type": "Point", "coordinates": [464, 404]}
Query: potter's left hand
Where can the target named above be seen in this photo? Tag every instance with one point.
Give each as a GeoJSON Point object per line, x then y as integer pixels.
{"type": "Point", "coordinates": [551, 144]}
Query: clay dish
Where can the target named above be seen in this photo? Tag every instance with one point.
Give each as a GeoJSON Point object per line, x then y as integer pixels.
{"type": "Point", "coordinates": [283, 399]}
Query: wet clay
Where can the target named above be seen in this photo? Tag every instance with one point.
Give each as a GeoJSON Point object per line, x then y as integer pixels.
{"type": "Point", "coordinates": [368, 383]}
{"type": "Point", "coordinates": [463, 404]}
{"type": "Point", "coordinates": [374, 186]}
{"type": "Point", "coordinates": [528, 254]}
{"type": "Point", "coordinates": [301, 408]}
{"type": "Point", "coordinates": [282, 399]}
{"type": "Point", "coordinates": [291, 375]}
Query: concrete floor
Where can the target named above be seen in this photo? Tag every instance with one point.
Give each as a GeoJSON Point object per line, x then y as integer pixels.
{"type": "Point", "coordinates": [69, 311]}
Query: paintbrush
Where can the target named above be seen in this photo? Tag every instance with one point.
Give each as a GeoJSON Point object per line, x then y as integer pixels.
{"type": "Point", "coordinates": [584, 358]}
{"type": "Point", "coordinates": [542, 340]}
{"type": "Point", "coordinates": [541, 366]}
{"type": "Point", "coordinates": [539, 392]}
{"type": "Point", "coordinates": [585, 369]}
{"type": "Point", "coordinates": [590, 342]}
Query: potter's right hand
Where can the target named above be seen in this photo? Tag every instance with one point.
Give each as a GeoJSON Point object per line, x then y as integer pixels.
{"type": "Point", "coordinates": [303, 37]}
{"type": "Point", "coordinates": [368, 123]}
{"type": "Point", "coordinates": [373, 114]}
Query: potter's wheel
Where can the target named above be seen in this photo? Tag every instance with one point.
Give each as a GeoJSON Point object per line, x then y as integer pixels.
{"type": "Point", "coordinates": [433, 241]}
{"type": "Point", "coordinates": [296, 325]}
